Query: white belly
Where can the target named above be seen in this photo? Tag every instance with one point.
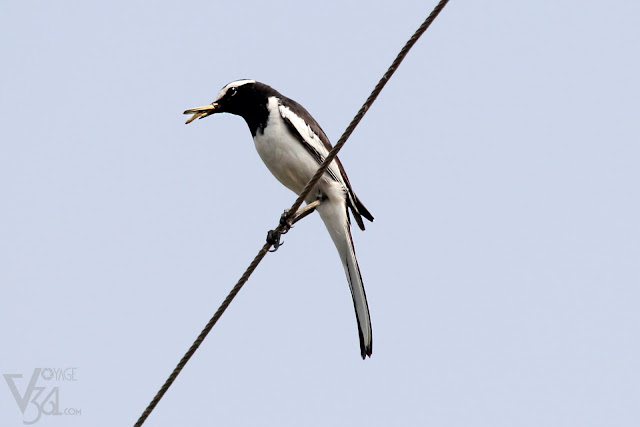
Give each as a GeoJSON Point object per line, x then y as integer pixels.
{"type": "Point", "coordinates": [285, 156]}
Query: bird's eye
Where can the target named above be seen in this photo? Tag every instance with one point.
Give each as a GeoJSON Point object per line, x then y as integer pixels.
{"type": "Point", "coordinates": [233, 91]}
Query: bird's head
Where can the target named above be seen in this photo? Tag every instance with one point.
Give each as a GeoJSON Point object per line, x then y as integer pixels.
{"type": "Point", "coordinates": [233, 98]}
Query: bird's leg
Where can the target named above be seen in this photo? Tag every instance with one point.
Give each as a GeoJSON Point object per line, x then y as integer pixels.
{"type": "Point", "coordinates": [306, 210]}
{"type": "Point", "coordinates": [287, 221]}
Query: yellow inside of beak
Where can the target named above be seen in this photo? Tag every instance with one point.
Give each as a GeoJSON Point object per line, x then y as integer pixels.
{"type": "Point", "coordinates": [200, 112]}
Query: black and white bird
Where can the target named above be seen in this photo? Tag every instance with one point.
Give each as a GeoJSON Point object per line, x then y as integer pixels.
{"type": "Point", "coordinates": [292, 145]}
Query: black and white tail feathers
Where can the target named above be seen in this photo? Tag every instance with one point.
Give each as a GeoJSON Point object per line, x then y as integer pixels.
{"type": "Point", "coordinates": [335, 217]}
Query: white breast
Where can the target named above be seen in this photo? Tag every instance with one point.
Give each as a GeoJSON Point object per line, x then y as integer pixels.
{"type": "Point", "coordinates": [283, 154]}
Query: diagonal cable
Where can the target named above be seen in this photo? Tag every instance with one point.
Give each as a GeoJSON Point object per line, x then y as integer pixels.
{"type": "Point", "coordinates": [282, 227]}
{"type": "Point", "coordinates": [363, 110]}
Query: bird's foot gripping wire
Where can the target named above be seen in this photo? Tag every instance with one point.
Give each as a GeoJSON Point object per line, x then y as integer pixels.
{"type": "Point", "coordinates": [286, 222]}
{"type": "Point", "coordinates": [273, 236]}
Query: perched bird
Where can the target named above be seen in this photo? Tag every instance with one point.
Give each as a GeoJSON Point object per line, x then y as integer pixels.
{"type": "Point", "coordinates": [292, 145]}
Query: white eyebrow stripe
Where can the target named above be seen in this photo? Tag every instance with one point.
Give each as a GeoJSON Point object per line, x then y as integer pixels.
{"type": "Point", "coordinates": [237, 83]}
{"type": "Point", "coordinates": [240, 83]}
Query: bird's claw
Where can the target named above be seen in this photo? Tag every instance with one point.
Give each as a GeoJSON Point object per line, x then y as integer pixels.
{"type": "Point", "coordinates": [273, 238]}
{"type": "Point", "coordinates": [286, 221]}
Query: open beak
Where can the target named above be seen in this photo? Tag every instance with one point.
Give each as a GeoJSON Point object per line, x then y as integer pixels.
{"type": "Point", "coordinates": [201, 112]}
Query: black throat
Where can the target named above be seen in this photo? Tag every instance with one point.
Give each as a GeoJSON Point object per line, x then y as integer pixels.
{"type": "Point", "coordinates": [256, 114]}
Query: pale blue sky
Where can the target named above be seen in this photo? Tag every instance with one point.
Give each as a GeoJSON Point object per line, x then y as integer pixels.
{"type": "Point", "coordinates": [501, 163]}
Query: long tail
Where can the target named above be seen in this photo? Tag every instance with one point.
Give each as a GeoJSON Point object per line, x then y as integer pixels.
{"type": "Point", "coordinates": [334, 215]}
